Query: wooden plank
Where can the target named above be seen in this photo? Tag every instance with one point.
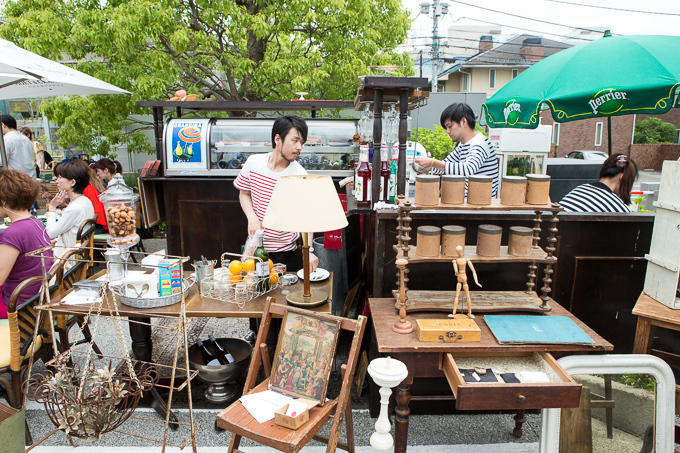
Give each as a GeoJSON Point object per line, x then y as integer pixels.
{"type": "Point", "coordinates": [494, 206]}
{"type": "Point", "coordinates": [537, 255]}
{"type": "Point", "coordinates": [482, 301]}
{"type": "Point", "coordinates": [575, 426]}
{"type": "Point", "coordinates": [656, 312]}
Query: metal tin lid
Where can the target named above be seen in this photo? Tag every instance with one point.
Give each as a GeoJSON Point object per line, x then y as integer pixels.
{"type": "Point", "coordinates": [481, 178]}
{"type": "Point", "coordinates": [538, 177]}
{"type": "Point", "coordinates": [427, 178]}
{"type": "Point", "coordinates": [428, 230]}
{"type": "Point", "coordinates": [521, 231]}
{"type": "Point", "coordinates": [514, 179]}
{"type": "Point", "coordinates": [453, 178]}
{"type": "Point", "coordinates": [490, 229]}
{"type": "Point", "coordinates": [453, 229]}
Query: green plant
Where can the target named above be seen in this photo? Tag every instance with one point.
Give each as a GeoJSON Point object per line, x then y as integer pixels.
{"type": "Point", "coordinates": [638, 381]}
{"type": "Point", "coordinates": [131, 180]}
{"type": "Point", "coordinates": [638, 203]}
{"type": "Point", "coordinates": [437, 141]}
{"type": "Point", "coordinates": [655, 130]}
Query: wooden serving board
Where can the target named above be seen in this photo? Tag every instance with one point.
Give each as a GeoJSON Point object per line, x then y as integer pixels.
{"type": "Point", "coordinates": [482, 301]}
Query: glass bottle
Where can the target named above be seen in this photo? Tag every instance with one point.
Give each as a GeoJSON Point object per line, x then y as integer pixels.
{"type": "Point", "coordinates": [261, 264]}
{"type": "Point", "coordinates": [209, 358]}
{"type": "Point", "coordinates": [392, 190]}
{"type": "Point", "coordinates": [363, 183]}
{"type": "Point", "coordinates": [384, 173]}
{"type": "Point", "coordinates": [222, 354]}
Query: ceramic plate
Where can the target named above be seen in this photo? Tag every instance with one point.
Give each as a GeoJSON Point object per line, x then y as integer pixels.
{"type": "Point", "coordinates": [317, 276]}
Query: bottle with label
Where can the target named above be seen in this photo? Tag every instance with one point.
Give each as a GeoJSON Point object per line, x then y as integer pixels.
{"type": "Point", "coordinates": [363, 183]}
{"type": "Point", "coordinates": [261, 264]}
{"type": "Point", "coordinates": [221, 353]}
{"type": "Point", "coordinates": [384, 173]}
{"type": "Point", "coordinates": [209, 358]}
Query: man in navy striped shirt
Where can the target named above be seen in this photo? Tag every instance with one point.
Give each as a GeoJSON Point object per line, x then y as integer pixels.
{"type": "Point", "coordinates": [474, 154]}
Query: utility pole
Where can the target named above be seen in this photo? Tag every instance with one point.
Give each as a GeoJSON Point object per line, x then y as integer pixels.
{"type": "Point", "coordinates": [439, 10]}
{"type": "Point", "coordinates": [421, 62]}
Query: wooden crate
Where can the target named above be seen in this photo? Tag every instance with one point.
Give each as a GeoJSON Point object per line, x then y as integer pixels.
{"type": "Point", "coordinates": [662, 281]}
{"type": "Point", "coordinates": [447, 330]}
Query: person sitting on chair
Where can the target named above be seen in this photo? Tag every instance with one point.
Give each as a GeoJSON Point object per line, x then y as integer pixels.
{"type": "Point", "coordinates": [72, 179]}
{"type": "Point", "coordinates": [106, 169]}
{"type": "Point", "coordinates": [18, 192]}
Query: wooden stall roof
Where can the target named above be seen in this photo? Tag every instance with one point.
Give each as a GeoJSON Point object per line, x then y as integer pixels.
{"type": "Point", "coordinates": [225, 106]}
{"type": "Point", "coordinates": [391, 88]}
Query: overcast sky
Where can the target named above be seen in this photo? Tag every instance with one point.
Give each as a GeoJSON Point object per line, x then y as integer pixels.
{"type": "Point", "coordinates": [569, 13]}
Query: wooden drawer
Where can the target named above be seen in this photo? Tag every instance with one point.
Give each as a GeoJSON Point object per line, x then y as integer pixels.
{"type": "Point", "coordinates": [563, 391]}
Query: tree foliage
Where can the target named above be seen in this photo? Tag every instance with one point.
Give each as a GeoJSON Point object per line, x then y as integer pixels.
{"type": "Point", "coordinates": [226, 50]}
{"type": "Point", "coordinates": [655, 130]}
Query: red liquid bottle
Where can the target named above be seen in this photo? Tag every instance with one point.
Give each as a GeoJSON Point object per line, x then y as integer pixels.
{"type": "Point", "coordinates": [363, 187]}
{"type": "Point", "coordinates": [384, 174]}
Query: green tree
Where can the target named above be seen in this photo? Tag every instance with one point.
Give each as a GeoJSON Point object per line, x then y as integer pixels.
{"type": "Point", "coordinates": [228, 50]}
{"type": "Point", "coordinates": [437, 141]}
{"type": "Point", "coordinates": [655, 130]}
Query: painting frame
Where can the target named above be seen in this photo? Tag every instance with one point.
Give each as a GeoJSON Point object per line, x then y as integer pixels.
{"type": "Point", "coordinates": [302, 368]}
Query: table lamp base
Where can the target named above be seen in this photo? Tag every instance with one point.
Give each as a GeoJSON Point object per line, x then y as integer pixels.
{"type": "Point", "coordinates": [298, 299]}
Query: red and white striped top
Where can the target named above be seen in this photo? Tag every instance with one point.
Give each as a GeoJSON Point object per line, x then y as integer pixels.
{"type": "Point", "coordinates": [256, 177]}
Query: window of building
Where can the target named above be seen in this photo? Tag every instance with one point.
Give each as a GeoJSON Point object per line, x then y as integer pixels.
{"type": "Point", "coordinates": [556, 134]}
{"type": "Point", "coordinates": [598, 134]}
{"type": "Point", "coordinates": [466, 82]}
{"type": "Point", "coordinates": [515, 73]}
{"type": "Point", "coordinates": [678, 140]}
{"type": "Point", "coordinates": [492, 78]}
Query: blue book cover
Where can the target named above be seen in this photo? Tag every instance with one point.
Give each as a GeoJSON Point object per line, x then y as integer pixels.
{"type": "Point", "coordinates": [536, 330]}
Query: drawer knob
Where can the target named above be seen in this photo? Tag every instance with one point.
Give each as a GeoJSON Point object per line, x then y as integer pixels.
{"type": "Point", "coordinates": [522, 398]}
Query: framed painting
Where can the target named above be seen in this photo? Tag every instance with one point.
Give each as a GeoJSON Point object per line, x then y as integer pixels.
{"type": "Point", "coordinates": [304, 354]}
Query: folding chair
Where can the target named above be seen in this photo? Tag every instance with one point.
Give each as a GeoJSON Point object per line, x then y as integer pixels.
{"type": "Point", "coordinates": [238, 420]}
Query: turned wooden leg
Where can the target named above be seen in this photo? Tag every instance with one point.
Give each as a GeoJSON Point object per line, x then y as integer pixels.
{"type": "Point", "coordinates": [519, 421]}
{"type": "Point", "coordinates": [401, 417]}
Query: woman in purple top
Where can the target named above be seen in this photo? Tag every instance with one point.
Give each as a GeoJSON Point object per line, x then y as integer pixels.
{"type": "Point", "coordinates": [18, 192]}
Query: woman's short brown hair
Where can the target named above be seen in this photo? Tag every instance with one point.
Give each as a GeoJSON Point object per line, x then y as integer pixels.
{"type": "Point", "coordinates": [18, 191]}
{"type": "Point", "coordinates": [75, 171]}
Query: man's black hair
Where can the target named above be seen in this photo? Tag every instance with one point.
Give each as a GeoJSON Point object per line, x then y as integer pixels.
{"type": "Point", "coordinates": [456, 112]}
{"type": "Point", "coordinates": [284, 124]}
{"type": "Point", "coordinates": [9, 121]}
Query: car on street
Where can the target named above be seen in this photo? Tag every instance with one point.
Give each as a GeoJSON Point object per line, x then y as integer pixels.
{"type": "Point", "coordinates": [587, 155]}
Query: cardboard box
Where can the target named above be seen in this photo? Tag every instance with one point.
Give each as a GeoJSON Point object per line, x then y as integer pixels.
{"type": "Point", "coordinates": [168, 277]}
{"type": "Point", "coordinates": [450, 329]}
{"type": "Point", "coordinates": [281, 419]}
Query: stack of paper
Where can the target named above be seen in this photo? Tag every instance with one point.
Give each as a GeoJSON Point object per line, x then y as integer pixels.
{"type": "Point", "coordinates": [263, 404]}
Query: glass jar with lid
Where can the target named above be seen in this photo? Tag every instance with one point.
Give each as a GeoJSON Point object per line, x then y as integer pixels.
{"type": "Point", "coordinates": [120, 204]}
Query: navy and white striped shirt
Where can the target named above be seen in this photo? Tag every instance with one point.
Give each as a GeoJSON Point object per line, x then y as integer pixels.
{"type": "Point", "coordinates": [476, 157]}
{"type": "Point", "coordinates": [593, 197]}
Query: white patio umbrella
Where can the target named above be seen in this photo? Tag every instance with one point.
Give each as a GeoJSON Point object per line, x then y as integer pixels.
{"type": "Point", "coordinates": [24, 74]}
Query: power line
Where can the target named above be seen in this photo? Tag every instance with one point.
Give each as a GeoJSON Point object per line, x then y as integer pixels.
{"type": "Point", "coordinates": [528, 29]}
{"type": "Point", "coordinates": [615, 9]}
{"type": "Point", "coordinates": [522, 17]}
{"type": "Point", "coordinates": [498, 44]}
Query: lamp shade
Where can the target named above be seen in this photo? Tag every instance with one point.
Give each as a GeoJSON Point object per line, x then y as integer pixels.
{"type": "Point", "coordinates": [305, 204]}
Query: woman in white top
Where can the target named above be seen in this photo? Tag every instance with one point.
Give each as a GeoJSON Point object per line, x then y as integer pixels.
{"type": "Point", "coordinates": [72, 179]}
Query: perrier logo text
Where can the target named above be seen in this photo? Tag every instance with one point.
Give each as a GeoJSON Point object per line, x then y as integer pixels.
{"type": "Point", "coordinates": [512, 112]}
{"type": "Point", "coordinates": [608, 101]}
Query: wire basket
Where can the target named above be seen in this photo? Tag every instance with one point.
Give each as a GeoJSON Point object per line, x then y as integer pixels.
{"type": "Point", "coordinates": [151, 302]}
{"type": "Point", "coordinates": [236, 288]}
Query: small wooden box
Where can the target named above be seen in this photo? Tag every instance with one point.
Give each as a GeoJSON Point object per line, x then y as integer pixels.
{"type": "Point", "coordinates": [280, 417]}
{"type": "Point", "coordinates": [450, 330]}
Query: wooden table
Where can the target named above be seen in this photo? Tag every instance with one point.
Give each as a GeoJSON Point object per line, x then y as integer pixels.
{"type": "Point", "coordinates": [424, 360]}
{"type": "Point", "coordinates": [196, 307]}
{"type": "Point", "coordinates": [653, 314]}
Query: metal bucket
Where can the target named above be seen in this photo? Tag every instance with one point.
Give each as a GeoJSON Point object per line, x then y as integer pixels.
{"type": "Point", "coordinates": [203, 270]}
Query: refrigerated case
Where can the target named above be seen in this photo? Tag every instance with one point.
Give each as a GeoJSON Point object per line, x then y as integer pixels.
{"type": "Point", "coordinates": [220, 146]}
{"type": "Point", "coordinates": [522, 151]}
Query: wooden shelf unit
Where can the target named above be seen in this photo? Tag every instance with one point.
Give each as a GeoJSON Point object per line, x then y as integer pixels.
{"type": "Point", "coordinates": [538, 255]}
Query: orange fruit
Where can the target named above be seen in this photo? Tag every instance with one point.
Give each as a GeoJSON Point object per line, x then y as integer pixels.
{"type": "Point", "coordinates": [273, 278]}
{"type": "Point", "coordinates": [271, 264]}
{"type": "Point", "coordinates": [235, 267]}
{"type": "Point", "coordinates": [248, 265]}
{"type": "Point", "coordinates": [236, 277]}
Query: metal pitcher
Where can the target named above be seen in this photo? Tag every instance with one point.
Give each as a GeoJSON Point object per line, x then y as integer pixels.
{"type": "Point", "coordinates": [203, 269]}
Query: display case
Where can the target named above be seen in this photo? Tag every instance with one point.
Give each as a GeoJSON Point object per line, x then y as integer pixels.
{"type": "Point", "coordinates": [220, 146]}
{"type": "Point", "coordinates": [523, 163]}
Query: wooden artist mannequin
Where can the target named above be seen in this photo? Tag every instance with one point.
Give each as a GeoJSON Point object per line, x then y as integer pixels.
{"type": "Point", "coordinates": [459, 266]}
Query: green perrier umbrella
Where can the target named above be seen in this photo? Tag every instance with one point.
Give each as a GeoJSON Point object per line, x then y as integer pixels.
{"type": "Point", "coordinates": [610, 76]}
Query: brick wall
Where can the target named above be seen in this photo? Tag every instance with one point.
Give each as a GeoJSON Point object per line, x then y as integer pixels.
{"type": "Point", "coordinates": [652, 156]}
